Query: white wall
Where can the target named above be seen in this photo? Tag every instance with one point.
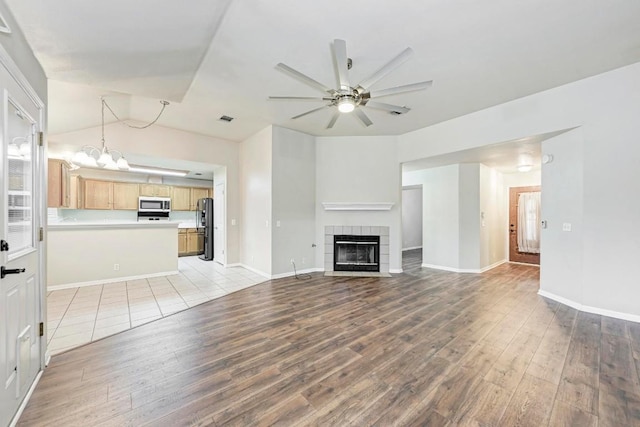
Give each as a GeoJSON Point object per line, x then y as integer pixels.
{"type": "Point", "coordinates": [440, 210]}
{"type": "Point", "coordinates": [294, 200]}
{"type": "Point", "coordinates": [84, 254]}
{"type": "Point", "coordinates": [162, 142]}
{"type": "Point", "coordinates": [493, 218]}
{"type": "Point", "coordinates": [411, 218]}
{"type": "Point", "coordinates": [359, 169]}
{"type": "Point", "coordinates": [16, 46]}
{"type": "Point", "coordinates": [606, 107]}
{"type": "Point", "coordinates": [256, 196]}
{"type": "Point", "coordinates": [469, 216]}
{"type": "Point", "coordinates": [561, 252]}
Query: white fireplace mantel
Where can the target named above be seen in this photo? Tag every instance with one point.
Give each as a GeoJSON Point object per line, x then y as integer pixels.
{"type": "Point", "coordinates": [347, 206]}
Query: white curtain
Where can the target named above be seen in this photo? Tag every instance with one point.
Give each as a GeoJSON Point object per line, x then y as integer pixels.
{"type": "Point", "coordinates": [529, 222]}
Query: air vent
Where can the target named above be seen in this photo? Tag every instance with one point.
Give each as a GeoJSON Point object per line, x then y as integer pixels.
{"type": "Point", "coordinates": [395, 113]}
{"type": "Point", "coordinates": [197, 174]}
{"type": "Point", "coordinates": [225, 118]}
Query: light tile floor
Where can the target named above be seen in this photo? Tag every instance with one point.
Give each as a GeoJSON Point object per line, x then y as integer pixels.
{"type": "Point", "coordinates": [80, 315]}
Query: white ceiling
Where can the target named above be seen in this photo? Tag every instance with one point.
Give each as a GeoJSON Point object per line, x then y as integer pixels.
{"type": "Point", "coordinates": [218, 57]}
{"type": "Point", "coordinates": [502, 156]}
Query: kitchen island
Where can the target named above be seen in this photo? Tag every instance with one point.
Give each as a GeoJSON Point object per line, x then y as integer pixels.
{"type": "Point", "coordinates": [85, 253]}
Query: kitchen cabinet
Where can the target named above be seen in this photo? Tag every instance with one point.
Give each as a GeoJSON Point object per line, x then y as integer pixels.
{"type": "Point", "coordinates": [198, 193]}
{"type": "Point", "coordinates": [59, 183]}
{"type": "Point", "coordinates": [181, 198]}
{"type": "Point", "coordinates": [75, 194]}
{"type": "Point", "coordinates": [125, 195]}
{"type": "Point", "coordinates": [182, 241]}
{"type": "Point", "coordinates": [96, 194]}
{"type": "Point", "coordinates": [192, 240]}
{"type": "Point", "coordinates": [155, 190]}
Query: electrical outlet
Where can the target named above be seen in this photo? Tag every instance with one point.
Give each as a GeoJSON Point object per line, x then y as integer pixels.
{"type": "Point", "coordinates": [116, 267]}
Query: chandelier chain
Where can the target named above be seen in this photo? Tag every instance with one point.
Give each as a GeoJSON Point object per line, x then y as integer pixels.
{"type": "Point", "coordinates": [124, 122]}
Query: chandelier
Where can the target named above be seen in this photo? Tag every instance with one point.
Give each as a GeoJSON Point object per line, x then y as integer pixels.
{"type": "Point", "coordinates": [90, 156]}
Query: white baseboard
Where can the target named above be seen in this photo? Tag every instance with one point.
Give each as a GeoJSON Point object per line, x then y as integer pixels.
{"type": "Point", "coordinates": [590, 309]}
{"type": "Point", "coordinates": [112, 280]}
{"type": "Point", "coordinates": [411, 248]}
{"type": "Point", "coordinates": [254, 270]}
{"type": "Point", "coordinates": [23, 405]}
{"type": "Point", "coordinates": [291, 273]}
{"type": "Point", "coordinates": [235, 264]}
{"type": "Point", "coordinates": [492, 266]}
{"type": "Point", "coordinates": [395, 270]}
{"type": "Point", "coordinates": [524, 263]}
{"type": "Point", "coordinates": [464, 270]}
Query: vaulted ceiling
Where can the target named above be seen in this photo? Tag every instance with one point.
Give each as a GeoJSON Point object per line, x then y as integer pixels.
{"type": "Point", "coordinates": [213, 58]}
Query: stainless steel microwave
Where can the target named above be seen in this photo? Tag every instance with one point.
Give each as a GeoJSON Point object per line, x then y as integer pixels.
{"type": "Point", "coordinates": [154, 204]}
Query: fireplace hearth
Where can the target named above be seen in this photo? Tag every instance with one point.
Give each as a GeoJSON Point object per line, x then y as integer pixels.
{"type": "Point", "coordinates": [356, 253]}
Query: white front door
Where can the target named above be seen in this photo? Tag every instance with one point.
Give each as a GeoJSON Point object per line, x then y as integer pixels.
{"type": "Point", "coordinates": [20, 282]}
{"type": "Point", "coordinates": [218, 226]}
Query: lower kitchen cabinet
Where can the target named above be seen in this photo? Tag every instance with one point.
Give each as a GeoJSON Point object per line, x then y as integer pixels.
{"type": "Point", "coordinates": [188, 239]}
{"type": "Point", "coordinates": [182, 241]}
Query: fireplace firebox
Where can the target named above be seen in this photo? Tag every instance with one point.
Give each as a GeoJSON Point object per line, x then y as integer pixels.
{"type": "Point", "coordinates": [356, 253]}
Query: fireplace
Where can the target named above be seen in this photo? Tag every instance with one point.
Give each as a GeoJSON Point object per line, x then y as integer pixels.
{"type": "Point", "coordinates": [332, 231]}
{"type": "Point", "coordinates": [356, 253]}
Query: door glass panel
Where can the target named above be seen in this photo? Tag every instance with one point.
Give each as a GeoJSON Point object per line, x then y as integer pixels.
{"type": "Point", "coordinates": [20, 235]}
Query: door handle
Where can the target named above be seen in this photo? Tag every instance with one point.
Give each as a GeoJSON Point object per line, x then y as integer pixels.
{"type": "Point", "coordinates": [5, 271]}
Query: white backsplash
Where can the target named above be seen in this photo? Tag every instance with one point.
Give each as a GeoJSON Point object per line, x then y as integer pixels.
{"type": "Point", "coordinates": [109, 215]}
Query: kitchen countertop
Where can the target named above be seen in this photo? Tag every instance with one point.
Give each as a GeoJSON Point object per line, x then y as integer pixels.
{"type": "Point", "coordinates": [187, 225]}
{"type": "Point", "coordinates": [76, 225]}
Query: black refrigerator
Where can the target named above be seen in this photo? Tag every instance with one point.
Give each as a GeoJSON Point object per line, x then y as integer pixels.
{"type": "Point", "coordinates": [204, 224]}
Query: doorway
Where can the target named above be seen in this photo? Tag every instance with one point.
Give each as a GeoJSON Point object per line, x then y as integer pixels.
{"type": "Point", "coordinates": [524, 225]}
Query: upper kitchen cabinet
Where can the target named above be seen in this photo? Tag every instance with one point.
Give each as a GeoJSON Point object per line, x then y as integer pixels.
{"type": "Point", "coordinates": [155, 190]}
{"type": "Point", "coordinates": [198, 193]}
{"type": "Point", "coordinates": [125, 195]}
{"type": "Point", "coordinates": [59, 191]}
{"type": "Point", "coordinates": [181, 199]}
{"type": "Point", "coordinates": [96, 194]}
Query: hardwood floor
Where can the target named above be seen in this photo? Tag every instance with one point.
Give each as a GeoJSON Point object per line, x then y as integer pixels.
{"type": "Point", "coordinates": [422, 348]}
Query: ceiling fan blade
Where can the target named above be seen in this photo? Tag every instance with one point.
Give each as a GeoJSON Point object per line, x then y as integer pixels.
{"type": "Point", "coordinates": [340, 54]}
{"type": "Point", "coordinates": [333, 119]}
{"type": "Point", "coordinates": [309, 112]}
{"type": "Point", "coordinates": [387, 107]}
{"type": "Point", "coordinates": [304, 79]}
{"type": "Point", "coordinates": [401, 89]}
{"type": "Point", "coordinates": [297, 98]}
{"type": "Point", "coordinates": [363, 117]}
{"type": "Point", "coordinates": [387, 68]}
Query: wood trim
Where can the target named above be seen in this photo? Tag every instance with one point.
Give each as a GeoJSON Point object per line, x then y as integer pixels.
{"type": "Point", "coordinates": [514, 254]}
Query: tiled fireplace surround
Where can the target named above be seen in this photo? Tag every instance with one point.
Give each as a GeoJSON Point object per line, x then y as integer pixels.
{"type": "Point", "coordinates": [356, 230]}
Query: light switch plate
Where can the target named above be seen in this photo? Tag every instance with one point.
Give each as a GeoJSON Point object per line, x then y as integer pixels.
{"type": "Point", "coordinates": [566, 226]}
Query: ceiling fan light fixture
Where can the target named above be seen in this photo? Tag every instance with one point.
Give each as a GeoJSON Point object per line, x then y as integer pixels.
{"type": "Point", "coordinates": [346, 104]}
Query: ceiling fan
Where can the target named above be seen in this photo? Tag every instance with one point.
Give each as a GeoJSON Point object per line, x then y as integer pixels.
{"type": "Point", "coordinates": [351, 98]}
